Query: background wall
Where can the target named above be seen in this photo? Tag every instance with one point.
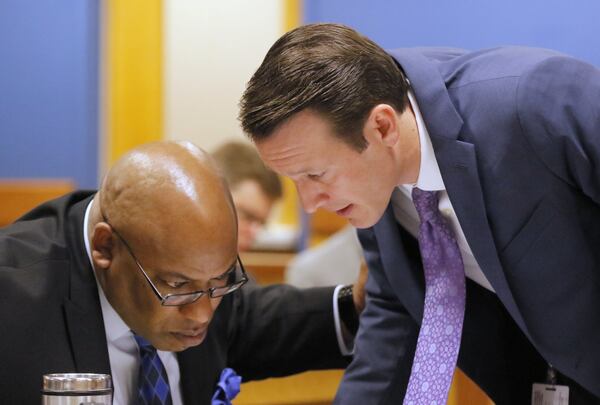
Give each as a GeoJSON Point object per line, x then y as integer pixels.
{"type": "Point", "coordinates": [49, 89]}
{"type": "Point", "coordinates": [178, 68]}
{"type": "Point", "coordinates": [211, 50]}
{"type": "Point", "coordinates": [568, 26]}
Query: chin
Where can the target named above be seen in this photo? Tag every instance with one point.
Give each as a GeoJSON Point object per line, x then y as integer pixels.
{"type": "Point", "coordinates": [171, 346]}
{"type": "Point", "coordinates": [168, 343]}
{"type": "Point", "coordinates": [361, 223]}
{"type": "Point", "coordinates": [183, 342]}
{"type": "Point", "coordinates": [365, 221]}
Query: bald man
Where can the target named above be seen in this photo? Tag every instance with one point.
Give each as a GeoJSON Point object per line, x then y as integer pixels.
{"type": "Point", "coordinates": [95, 281]}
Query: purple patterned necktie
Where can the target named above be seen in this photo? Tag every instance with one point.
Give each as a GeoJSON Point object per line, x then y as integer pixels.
{"type": "Point", "coordinates": [443, 313]}
{"type": "Point", "coordinates": [153, 383]}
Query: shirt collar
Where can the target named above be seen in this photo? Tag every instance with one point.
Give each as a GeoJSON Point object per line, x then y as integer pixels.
{"type": "Point", "coordinates": [430, 177]}
{"type": "Point", "coordinates": [114, 326]}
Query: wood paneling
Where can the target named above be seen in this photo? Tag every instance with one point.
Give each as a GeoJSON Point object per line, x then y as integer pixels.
{"type": "Point", "coordinates": [19, 196]}
{"type": "Point", "coordinates": [318, 387]}
{"type": "Point", "coordinates": [310, 388]}
{"type": "Point", "coordinates": [266, 267]}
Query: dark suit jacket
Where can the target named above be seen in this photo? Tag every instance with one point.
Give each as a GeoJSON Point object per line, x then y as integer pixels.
{"type": "Point", "coordinates": [516, 133]}
{"type": "Point", "coordinates": [51, 321]}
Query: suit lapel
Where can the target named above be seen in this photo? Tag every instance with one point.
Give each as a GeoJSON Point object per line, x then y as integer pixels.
{"type": "Point", "coordinates": [458, 166]}
{"type": "Point", "coordinates": [401, 273]}
{"type": "Point", "coordinates": [88, 338]}
{"type": "Point", "coordinates": [83, 314]}
{"type": "Point", "coordinates": [199, 369]}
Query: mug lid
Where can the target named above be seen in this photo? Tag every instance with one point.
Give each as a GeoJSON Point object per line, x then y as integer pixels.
{"type": "Point", "coordinates": [76, 382]}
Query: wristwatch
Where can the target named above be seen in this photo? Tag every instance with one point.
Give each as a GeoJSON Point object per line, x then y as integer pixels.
{"type": "Point", "coordinates": [348, 314]}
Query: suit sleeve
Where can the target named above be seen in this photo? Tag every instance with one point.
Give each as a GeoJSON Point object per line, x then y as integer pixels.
{"type": "Point", "coordinates": [280, 330]}
{"type": "Point", "coordinates": [559, 112]}
{"type": "Point", "coordinates": [385, 342]}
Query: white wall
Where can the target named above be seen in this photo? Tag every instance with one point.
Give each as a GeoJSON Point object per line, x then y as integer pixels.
{"type": "Point", "coordinates": [212, 48]}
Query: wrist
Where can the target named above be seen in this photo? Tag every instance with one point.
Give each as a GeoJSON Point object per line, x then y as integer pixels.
{"type": "Point", "coordinates": [347, 309]}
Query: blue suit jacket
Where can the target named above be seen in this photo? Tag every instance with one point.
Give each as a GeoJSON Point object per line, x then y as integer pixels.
{"type": "Point", "coordinates": [516, 133]}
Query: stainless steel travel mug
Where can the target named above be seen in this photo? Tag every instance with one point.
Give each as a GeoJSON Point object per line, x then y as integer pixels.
{"type": "Point", "coordinates": [77, 389]}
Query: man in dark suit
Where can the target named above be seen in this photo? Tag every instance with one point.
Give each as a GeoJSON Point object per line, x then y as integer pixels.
{"type": "Point", "coordinates": [149, 260]}
{"type": "Point", "coordinates": [500, 151]}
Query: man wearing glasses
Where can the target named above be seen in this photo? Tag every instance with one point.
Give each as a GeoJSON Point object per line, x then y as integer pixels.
{"type": "Point", "coordinates": [142, 280]}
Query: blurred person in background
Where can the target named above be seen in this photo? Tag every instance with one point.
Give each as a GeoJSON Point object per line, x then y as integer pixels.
{"type": "Point", "coordinates": [336, 260]}
{"type": "Point", "coordinates": [254, 188]}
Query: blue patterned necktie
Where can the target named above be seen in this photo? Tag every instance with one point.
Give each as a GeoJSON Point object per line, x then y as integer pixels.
{"type": "Point", "coordinates": [153, 383]}
{"type": "Point", "coordinates": [439, 337]}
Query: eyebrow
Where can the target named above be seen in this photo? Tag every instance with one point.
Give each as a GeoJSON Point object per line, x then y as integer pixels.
{"type": "Point", "coordinates": [174, 274]}
{"type": "Point", "coordinates": [303, 171]}
{"type": "Point", "coordinates": [186, 278]}
{"type": "Point", "coordinates": [232, 265]}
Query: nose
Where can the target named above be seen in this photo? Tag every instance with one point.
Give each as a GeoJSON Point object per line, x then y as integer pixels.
{"type": "Point", "coordinates": [312, 196]}
{"type": "Point", "coordinates": [201, 311]}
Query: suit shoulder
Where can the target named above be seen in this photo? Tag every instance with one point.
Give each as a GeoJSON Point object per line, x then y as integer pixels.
{"type": "Point", "coordinates": [492, 65]}
{"type": "Point", "coordinates": [39, 235]}
{"type": "Point", "coordinates": [554, 86]}
{"type": "Point", "coordinates": [25, 244]}
{"type": "Point", "coordinates": [557, 104]}
{"type": "Point", "coordinates": [560, 76]}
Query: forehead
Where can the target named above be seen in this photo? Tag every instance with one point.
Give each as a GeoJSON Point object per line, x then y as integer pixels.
{"type": "Point", "coordinates": [190, 249]}
{"type": "Point", "coordinates": [305, 140]}
{"type": "Point", "coordinates": [196, 267]}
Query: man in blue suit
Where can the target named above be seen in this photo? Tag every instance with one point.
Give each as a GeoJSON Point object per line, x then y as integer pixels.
{"type": "Point", "coordinates": [507, 143]}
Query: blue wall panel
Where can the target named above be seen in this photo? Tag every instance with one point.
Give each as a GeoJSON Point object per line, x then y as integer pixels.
{"type": "Point", "coordinates": [568, 26]}
{"type": "Point", "coordinates": [49, 89]}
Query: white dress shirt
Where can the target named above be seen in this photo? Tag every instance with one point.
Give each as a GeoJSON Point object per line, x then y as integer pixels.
{"type": "Point", "coordinates": [430, 179]}
{"type": "Point", "coordinates": [123, 351]}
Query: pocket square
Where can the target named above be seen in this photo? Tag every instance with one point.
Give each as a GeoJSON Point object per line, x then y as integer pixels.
{"type": "Point", "coordinates": [227, 387]}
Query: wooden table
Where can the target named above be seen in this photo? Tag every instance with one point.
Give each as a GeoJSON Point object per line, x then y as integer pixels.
{"type": "Point", "coordinates": [310, 388]}
{"type": "Point", "coordinates": [318, 387]}
{"type": "Point", "coordinates": [266, 267]}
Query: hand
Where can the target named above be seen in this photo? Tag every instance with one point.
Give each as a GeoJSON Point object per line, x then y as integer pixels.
{"type": "Point", "coordinates": [358, 290]}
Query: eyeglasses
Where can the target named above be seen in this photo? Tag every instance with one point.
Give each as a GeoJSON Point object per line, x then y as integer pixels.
{"type": "Point", "coordinates": [226, 283]}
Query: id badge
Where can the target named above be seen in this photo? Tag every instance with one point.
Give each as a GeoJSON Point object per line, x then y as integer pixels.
{"type": "Point", "coordinates": [547, 394]}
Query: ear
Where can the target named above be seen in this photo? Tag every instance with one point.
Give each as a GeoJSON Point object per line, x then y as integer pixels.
{"type": "Point", "coordinates": [382, 124]}
{"type": "Point", "coordinates": [102, 245]}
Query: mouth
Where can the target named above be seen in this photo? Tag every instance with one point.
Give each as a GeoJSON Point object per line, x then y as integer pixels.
{"type": "Point", "coordinates": [190, 338]}
{"type": "Point", "coordinates": [345, 212]}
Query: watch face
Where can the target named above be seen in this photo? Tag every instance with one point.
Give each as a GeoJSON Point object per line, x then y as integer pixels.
{"type": "Point", "coordinates": [345, 291]}
{"type": "Point", "coordinates": [347, 310]}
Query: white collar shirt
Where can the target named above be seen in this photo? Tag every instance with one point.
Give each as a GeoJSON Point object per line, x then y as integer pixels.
{"type": "Point", "coordinates": [430, 179]}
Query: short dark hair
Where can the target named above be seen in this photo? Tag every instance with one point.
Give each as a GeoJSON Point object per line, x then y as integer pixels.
{"type": "Point", "coordinates": [239, 161]}
{"type": "Point", "coordinates": [328, 68]}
